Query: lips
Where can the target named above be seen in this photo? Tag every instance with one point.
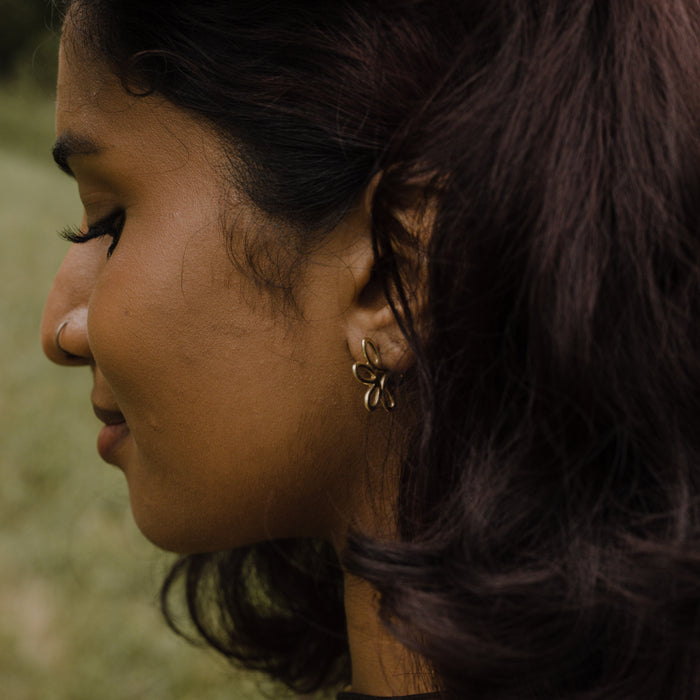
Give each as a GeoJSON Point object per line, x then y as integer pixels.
{"type": "Point", "coordinates": [113, 434]}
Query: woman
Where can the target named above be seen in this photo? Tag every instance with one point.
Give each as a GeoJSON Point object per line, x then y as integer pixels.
{"type": "Point", "coordinates": [480, 219]}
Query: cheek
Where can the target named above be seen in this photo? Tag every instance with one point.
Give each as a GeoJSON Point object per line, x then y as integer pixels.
{"type": "Point", "coordinates": [227, 408]}
{"type": "Point", "coordinates": [241, 462]}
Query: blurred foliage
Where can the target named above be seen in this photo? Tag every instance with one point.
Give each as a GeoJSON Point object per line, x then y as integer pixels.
{"type": "Point", "coordinates": [28, 41]}
{"type": "Point", "coordinates": [26, 121]}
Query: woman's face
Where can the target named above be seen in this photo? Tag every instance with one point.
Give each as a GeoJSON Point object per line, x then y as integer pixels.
{"type": "Point", "coordinates": [232, 421]}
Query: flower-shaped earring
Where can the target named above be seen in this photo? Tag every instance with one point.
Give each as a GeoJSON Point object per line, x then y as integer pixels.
{"type": "Point", "coordinates": [375, 377]}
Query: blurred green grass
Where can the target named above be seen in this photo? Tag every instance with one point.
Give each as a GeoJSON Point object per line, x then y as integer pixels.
{"type": "Point", "coordinates": [78, 583]}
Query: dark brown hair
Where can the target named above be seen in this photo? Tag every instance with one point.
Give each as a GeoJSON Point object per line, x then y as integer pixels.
{"type": "Point", "coordinates": [549, 510]}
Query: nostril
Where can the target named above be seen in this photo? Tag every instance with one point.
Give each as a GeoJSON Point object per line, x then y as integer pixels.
{"type": "Point", "coordinates": [57, 342]}
{"type": "Point", "coordinates": [64, 336]}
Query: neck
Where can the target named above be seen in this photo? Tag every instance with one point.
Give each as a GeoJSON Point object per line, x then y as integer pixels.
{"type": "Point", "coordinates": [381, 665]}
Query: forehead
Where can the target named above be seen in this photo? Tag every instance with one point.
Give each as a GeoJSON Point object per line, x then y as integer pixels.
{"type": "Point", "coordinates": [87, 89]}
{"type": "Point", "coordinates": [93, 106]}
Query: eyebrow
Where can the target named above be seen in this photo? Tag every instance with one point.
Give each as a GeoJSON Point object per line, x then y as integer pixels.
{"type": "Point", "coordinates": [68, 145]}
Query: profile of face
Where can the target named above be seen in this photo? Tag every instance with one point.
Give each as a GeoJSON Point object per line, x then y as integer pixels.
{"type": "Point", "coordinates": [233, 420]}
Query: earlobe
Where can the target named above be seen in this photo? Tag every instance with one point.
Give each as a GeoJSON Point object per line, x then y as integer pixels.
{"type": "Point", "coordinates": [390, 344]}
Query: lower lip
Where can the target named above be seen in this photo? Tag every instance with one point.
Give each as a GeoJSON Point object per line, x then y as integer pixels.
{"type": "Point", "coordinates": [109, 440]}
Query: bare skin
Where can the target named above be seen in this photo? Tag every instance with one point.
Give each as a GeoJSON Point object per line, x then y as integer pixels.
{"type": "Point", "coordinates": [380, 666]}
{"type": "Point", "coordinates": [232, 422]}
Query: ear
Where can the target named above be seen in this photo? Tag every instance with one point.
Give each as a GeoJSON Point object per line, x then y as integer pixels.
{"type": "Point", "coordinates": [370, 315]}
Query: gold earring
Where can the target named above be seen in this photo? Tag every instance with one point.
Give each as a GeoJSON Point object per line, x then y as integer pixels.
{"type": "Point", "coordinates": [372, 374]}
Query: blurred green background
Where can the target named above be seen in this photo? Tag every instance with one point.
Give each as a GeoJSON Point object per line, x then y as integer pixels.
{"type": "Point", "coordinates": [78, 583]}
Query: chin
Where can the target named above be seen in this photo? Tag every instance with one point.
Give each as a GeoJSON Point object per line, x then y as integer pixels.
{"type": "Point", "coordinates": [176, 533]}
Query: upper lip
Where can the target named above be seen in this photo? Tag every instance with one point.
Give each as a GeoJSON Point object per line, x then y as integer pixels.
{"type": "Point", "coordinates": [107, 416]}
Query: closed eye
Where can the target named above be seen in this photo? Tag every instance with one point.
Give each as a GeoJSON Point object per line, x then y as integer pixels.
{"type": "Point", "coordinates": [110, 226]}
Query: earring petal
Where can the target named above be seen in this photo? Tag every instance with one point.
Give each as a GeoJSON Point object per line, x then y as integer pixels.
{"type": "Point", "coordinates": [371, 353]}
{"type": "Point", "coordinates": [364, 373]}
{"type": "Point", "coordinates": [373, 398]}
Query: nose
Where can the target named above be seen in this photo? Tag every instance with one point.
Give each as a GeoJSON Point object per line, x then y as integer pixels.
{"type": "Point", "coordinates": [64, 332]}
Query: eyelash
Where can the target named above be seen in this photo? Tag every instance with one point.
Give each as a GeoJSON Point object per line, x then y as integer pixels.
{"type": "Point", "coordinates": [110, 226]}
